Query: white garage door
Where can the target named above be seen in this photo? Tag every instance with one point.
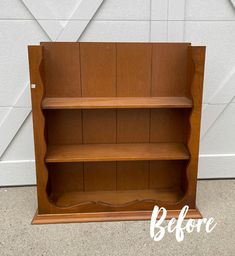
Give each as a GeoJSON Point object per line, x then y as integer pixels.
{"type": "Point", "coordinates": [202, 22]}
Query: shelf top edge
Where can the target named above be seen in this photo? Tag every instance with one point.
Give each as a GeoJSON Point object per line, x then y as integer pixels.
{"type": "Point", "coordinates": [116, 102]}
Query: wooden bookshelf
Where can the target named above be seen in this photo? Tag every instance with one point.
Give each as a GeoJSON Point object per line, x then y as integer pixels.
{"type": "Point", "coordinates": [116, 129]}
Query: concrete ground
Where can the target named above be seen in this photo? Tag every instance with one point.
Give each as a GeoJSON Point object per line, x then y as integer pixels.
{"type": "Point", "coordinates": [18, 237]}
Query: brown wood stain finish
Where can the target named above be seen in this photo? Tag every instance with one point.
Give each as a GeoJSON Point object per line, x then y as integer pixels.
{"type": "Point", "coordinates": [116, 129]}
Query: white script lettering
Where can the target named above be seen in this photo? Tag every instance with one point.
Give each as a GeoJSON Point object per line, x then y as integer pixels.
{"type": "Point", "coordinates": [157, 231]}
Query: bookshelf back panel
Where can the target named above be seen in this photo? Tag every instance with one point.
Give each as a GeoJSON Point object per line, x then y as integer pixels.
{"type": "Point", "coordinates": [167, 174]}
{"type": "Point", "coordinates": [116, 126]}
{"type": "Point", "coordinates": [63, 127]}
{"type": "Point", "coordinates": [116, 176]}
{"type": "Point", "coordinates": [169, 125]}
{"type": "Point", "coordinates": [98, 69]}
{"type": "Point", "coordinates": [99, 126]}
{"type": "Point", "coordinates": [132, 175]}
{"type": "Point", "coordinates": [115, 69]}
{"type": "Point", "coordinates": [100, 176]}
{"type": "Point", "coordinates": [169, 70]}
{"type": "Point", "coordinates": [62, 69]}
{"type": "Point", "coordinates": [133, 125]}
{"type": "Point", "coordinates": [134, 69]}
{"type": "Point", "coordinates": [65, 177]}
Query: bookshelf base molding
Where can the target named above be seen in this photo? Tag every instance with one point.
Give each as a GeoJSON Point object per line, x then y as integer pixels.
{"type": "Point", "coordinates": [107, 216]}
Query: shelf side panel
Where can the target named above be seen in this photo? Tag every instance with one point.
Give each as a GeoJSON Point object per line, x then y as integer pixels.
{"type": "Point", "coordinates": [36, 77]}
{"type": "Point", "coordinates": [196, 76]}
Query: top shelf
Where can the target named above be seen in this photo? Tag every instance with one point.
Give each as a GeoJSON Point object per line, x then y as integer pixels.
{"type": "Point", "coordinates": [116, 102]}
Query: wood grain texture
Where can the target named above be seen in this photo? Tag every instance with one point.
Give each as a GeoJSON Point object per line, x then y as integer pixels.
{"type": "Point", "coordinates": [68, 174]}
{"type": "Point", "coordinates": [98, 69]}
{"type": "Point", "coordinates": [134, 69]}
{"type": "Point", "coordinates": [168, 125]}
{"type": "Point", "coordinates": [133, 125]}
{"type": "Point", "coordinates": [116, 102]}
{"type": "Point", "coordinates": [169, 70]}
{"type": "Point", "coordinates": [99, 126]}
{"type": "Point", "coordinates": [62, 69]}
{"type": "Point", "coordinates": [36, 74]}
{"type": "Point", "coordinates": [196, 62]}
{"type": "Point", "coordinates": [108, 216]}
{"type": "Point", "coordinates": [118, 198]}
{"type": "Point", "coordinates": [118, 152]}
{"type": "Point", "coordinates": [100, 176]}
{"type": "Point", "coordinates": [132, 175]}
{"type": "Point", "coordinates": [166, 174]}
{"type": "Point", "coordinates": [58, 123]}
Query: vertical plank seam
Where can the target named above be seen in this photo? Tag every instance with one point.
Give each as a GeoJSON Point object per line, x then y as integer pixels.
{"type": "Point", "coordinates": [151, 90]}
{"type": "Point", "coordinates": [150, 110]}
{"type": "Point", "coordinates": [83, 177]}
{"type": "Point", "coordinates": [151, 71]}
{"type": "Point", "coordinates": [83, 165]}
{"type": "Point", "coordinates": [116, 68]}
{"type": "Point", "coordinates": [80, 60]}
{"type": "Point", "coordinates": [116, 72]}
{"type": "Point", "coordinates": [116, 164]}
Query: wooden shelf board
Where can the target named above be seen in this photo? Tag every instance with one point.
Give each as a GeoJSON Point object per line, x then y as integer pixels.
{"type": "Point", "coordinates": [116, 102]}
{"type": "Point", "coordinates": [116, 152]}
{"type": "Point", "coordinates": [117, 198]}
{"type": "Point", "coordinates": [108, 216]}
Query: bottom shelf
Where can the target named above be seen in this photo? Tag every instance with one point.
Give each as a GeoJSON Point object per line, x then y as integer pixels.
{"type": "Point", "coordinates": [116, 198]}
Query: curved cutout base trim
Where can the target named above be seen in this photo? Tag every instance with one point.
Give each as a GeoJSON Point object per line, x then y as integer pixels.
{"type": "Point", "coordinates": [107, 216]}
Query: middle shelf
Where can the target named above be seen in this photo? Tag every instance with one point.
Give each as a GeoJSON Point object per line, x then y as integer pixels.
{"type": "Point", "coordinates": [116, 102]}
{"type": "Point", "coordinates": [116, 152]}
